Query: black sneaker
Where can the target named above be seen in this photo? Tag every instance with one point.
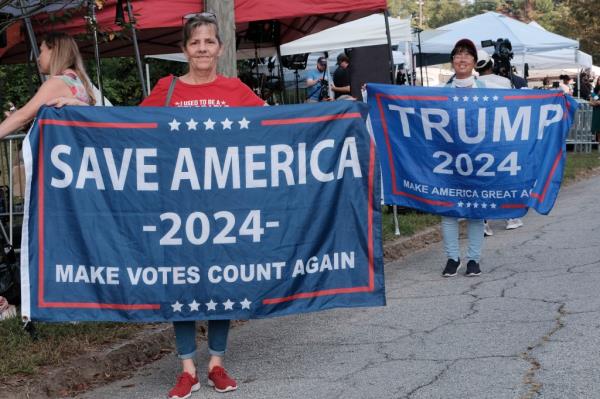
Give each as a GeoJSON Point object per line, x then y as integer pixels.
{"type": "Point", "coordinates": [451, 268]}
{"type": "Point", "coordinates": [472, 269]}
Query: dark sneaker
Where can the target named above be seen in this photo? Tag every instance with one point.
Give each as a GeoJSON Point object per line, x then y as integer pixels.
{"type": "Point", "coordinates": [186, 384]}
{"type": "Point", "coordinates": [451, 268]}
{"type": "Point", "coordinates": [472, 269]}
{"type": "Point", "coordinates": [219, 379]}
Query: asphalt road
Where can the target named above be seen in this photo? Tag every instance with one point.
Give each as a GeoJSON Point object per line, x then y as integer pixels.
{"type": "Point", "coordinates": [528, 327]}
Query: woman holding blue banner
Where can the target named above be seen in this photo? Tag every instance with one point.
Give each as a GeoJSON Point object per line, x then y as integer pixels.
{"type": "Point", "coordinates": [463, 58]}
{"type": "Point", "coordinates": [200, 87]}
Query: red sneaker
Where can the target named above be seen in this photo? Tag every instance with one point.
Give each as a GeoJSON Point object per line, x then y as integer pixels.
{"type": "Point", "coordinates": [186, 384]}
{"type": "Point", "coordinates": [219, 379]}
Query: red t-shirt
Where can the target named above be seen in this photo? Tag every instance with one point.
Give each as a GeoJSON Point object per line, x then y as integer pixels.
{"type": "Point", "coordinates": [221, 92]}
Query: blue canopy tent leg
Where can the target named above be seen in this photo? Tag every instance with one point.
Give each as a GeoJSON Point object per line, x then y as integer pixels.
{"type": "Point", "coordinates": [31, 37]}
{"type": "Point", "coordinates": [136, 48]}
{"type": "Point", "coordinates": [92, 22]}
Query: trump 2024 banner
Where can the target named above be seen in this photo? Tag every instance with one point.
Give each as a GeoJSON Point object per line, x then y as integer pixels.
{"type": "Point", "coordinates": [154, 214]}
{"type": "Point", "coordinates": [475, 153]}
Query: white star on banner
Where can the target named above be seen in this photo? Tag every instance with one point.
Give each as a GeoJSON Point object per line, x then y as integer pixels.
{"type": "Point", "coordinates": [209, 124]}
{"type": "Point", "coordinates": [493, 206]}
{"type": "Point", "coordinates": [191, 124]}
{"type": "Point", "coordinates": [228, 304]}
{"type": "Point", "coordinates": [177, 306]}
{"type": "Point", "coordinates": [484, 205]}
{"type": "Point", "coordinates": [475, 205]}
{"type": "Point", "coordinates": [212, 305]}
{"type": "Point", "coordinates": [194, 305]}
{"type": "Point", "coordinates": [174, 124]}
{"type": "Point", "coordinates": [495, 98]}
{"type": "Point", "coordinates": [455, 98]}
{"type": "Point", "coordinates": [475, 98]}
{"type": "Point", "coordinates": [465, 98]}
{"type": "Point", "coordinates": [485, 98]}
{"type": "Point", "coordinates": [244, 123]}
{"type": "Point", "coordinates": [245, 303]}
{"type": "Point", "coordinates": [468, 204]}
{"type": "Point", "coordinates": [226, 124]}
{"type": "Point", "coordinates": [460, 204]}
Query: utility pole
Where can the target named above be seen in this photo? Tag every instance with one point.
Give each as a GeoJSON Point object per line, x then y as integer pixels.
{"type": "Point", "coordinates": [420, 3]}
{"type": "Point", "coordinates": [225, 11]}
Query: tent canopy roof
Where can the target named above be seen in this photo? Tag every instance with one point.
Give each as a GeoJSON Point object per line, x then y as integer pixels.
{"type": "Point", "coordinates": [367, 31]}
{"type": "Point", "coordinates": [490, 26]}
{"type": "Point", "coordinates": [159, 23]}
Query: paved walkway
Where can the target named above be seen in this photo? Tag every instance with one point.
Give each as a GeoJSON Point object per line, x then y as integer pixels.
{"type": "Point", "coordinates": [529, 327]}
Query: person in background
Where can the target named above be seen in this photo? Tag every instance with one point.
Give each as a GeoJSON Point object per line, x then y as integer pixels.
{"type": "Point", "coordinates": [317, 82]}
{"type": "Point", "coordinates": [463, 58]}
{"type": "Point", "coordinates": [341, 79]}
{"type": "Point", "coordinates": [59, 59]}
{"type": "Point", "coordinates": [485, 67]}
{"type": "Point", "coordinates": [201, 86]}
{"type": "Point", "coordinates": [565, 84]}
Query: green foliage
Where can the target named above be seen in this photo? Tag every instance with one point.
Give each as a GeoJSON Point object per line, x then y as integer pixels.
{"type": "Point", "coordinates": [17, 84]}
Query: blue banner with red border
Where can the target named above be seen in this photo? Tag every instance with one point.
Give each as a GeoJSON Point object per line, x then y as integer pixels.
{"type": "Point", "coordinates": [473, 153]}
{"type": "Point", "coordinates": [161, 214]}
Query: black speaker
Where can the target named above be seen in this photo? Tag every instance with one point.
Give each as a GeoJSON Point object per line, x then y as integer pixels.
{"type": "Point", "coordinates": [263, 31]}
{"type": "Point", "coordinates": [368, 64]}
{"type": "Point", "coordinates": [295, 61]}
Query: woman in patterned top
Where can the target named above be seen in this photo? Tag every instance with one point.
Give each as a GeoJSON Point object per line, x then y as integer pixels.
{"type": "Point", "coordinates": [60, 59]}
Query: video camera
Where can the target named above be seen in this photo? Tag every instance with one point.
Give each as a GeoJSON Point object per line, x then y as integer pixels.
{"type": "Point", "coordinates": [502, 55]}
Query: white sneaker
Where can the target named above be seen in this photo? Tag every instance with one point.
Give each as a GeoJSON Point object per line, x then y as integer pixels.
{"type": "Point", "coordinates": [513, 223]}
{"type": "Point", "coordinates": [487, 230]}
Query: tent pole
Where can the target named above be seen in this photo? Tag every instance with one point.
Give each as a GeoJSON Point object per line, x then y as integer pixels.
{"type": "Point", "coordinates": [136, 48]}
{"type": "Point", "coordinates": [92, 20]}
{"type": "Point", "coordinates": [148, 75]}
{"type": "Point", "coordinates": [386, 14]}
{"type": "Point", "coordinates": [32, 40]}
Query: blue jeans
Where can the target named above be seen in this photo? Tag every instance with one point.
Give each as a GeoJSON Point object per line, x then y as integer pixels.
{"type": "Point", "coordinates": [185, 338]}
{"type": "Point", "coordinates": [474, 234]}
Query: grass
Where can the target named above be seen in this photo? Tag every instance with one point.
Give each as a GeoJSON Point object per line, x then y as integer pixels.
{"type": "Point", "coordinates": [57, 343]}
{"type": "Point", "coordinates": [580, 164]}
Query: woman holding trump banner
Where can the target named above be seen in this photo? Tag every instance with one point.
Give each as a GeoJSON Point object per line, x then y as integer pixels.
{"type": "Point", "coordinates": [463, 58]}
{"type": "Point", "coordinates": [201, 86]}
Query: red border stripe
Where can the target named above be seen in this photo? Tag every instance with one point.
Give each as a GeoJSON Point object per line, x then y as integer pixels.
{"type": "Point", "coordinates": [371, 268]}
{"type": "Point", "coordinates": [78, 305]}
{"type": "Point", "coordinates": [113, 125]}
{"type": "Point", "coordinates": [513, 206]}
{"type": "Point", "coordinates": [418, 98]}
{"type": "Point", "coordinates": [533, 96]}
{"type": "Point", "coordinates": [309, 119]}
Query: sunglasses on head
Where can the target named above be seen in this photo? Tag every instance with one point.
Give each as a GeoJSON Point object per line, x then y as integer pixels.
{"type": "Point", "coordinates": [204, 15]}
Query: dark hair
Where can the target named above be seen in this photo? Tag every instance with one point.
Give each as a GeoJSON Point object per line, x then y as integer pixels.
{"type": "Point", "coordinates": [464, 45]}
{"type": "Point", "coordinates": [342, 57]}
{"type": "Point", "coordinates": [194, 21]}
{"type": "Point", "coordinates": [322, 60]}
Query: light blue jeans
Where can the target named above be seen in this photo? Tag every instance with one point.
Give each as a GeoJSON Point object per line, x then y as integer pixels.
{"type": "Point", "coordinates": [474, 234]}
{"type": "Point", "coordinates": [185, 338]}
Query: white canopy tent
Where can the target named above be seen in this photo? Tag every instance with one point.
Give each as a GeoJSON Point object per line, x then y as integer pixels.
{"type": "Point", "coordinates": [525, 39]}
{"type": "Point", "coordinates": [367, 31]}
{"type": "Point", "coordinates": [557, 59]}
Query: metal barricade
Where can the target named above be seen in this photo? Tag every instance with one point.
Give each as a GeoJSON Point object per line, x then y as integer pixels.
{"type": "Point", "coordinates": [580, 135]}
{"type": "Point", "coordinates": [12, 187]}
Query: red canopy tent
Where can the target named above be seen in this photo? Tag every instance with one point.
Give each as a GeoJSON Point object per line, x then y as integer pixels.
{"type": "Point", "coordinates": [159, 22]}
